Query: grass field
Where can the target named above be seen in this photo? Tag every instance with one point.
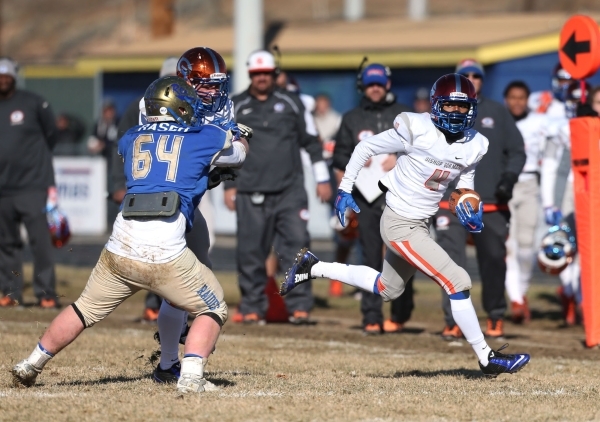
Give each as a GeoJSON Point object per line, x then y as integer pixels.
{"type": "Point", "coordinates": [328, 371]}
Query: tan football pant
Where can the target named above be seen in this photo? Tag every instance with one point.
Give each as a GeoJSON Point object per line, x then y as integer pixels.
{"type": "Point", "coordinates": [184, 282]}
{"type": "Point", "coordinates": [410, 248]}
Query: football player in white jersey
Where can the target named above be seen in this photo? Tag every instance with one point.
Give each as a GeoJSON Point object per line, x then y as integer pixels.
{"type": "Point", "coordinates": [433, 149]}
{"type": "Point", "coordinates": [525, 203]}
{"type": "Point", "coordinates": [555, 161]}
{"type": "Point", "coordinates": [552, 103]}
{"type": "Point", "coordinates": [559, 145]}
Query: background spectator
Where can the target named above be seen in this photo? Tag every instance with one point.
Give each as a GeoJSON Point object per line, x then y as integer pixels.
{"type": "Point", "coordinates": [269, 194]}
{"type": "Point", "coordinates": [422, 103]}
{"type": "Point", "coordinates": [377, 110]}
{"type": "Point", "coordinates": [26, 175]}
{"type": "Point", "coordinates": [70, 131]}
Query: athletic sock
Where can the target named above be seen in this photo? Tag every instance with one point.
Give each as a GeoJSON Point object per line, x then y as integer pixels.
{"type": "Point", "coordinates": [465, 317]}
{"type": "Point", "coordinates": [39, 357]}
{"type": "Point", "coordinates": [193, 364]}
{"type": "Point", "coordinates": [170, 320]}
{"type": "Point", "coordinates": [359, 276]}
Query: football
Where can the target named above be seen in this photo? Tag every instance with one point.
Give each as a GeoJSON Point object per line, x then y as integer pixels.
{"type": "Point", "coordinates": [458, 196]}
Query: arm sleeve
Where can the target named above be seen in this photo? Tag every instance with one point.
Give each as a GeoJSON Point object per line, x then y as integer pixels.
{"type": "Point", "coordinates": [309, 142]}
{"type": "Point", "coordinates": [231, 157]}
{"type": "Point", "coordinates": [515, 147]}
{"type": "Point", "coordinates": [387, 142]}
{"type": "Point", "coordinates": [48, 123]}
{"type": "Point", "coordinates": [552, 156]}
{"type": "Point", "coordinates": [344, 145]}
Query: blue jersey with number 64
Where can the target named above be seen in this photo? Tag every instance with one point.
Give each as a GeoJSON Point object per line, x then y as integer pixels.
{"type": "Point", "coordinates": [163, 157]}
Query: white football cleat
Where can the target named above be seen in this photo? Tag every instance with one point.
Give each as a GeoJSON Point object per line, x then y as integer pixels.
{"type": "Point", "coordinates": [191, 383]}
{"type": "Point", "coordinates": [24, 374]}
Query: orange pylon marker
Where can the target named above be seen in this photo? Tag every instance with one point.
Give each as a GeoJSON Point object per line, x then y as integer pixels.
{"type": "Point", "coordinates": [585, 160]}
{"type": "Point", "coordinates": [277, 311]}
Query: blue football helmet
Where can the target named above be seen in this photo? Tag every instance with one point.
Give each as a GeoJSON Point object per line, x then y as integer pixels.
{"type": "Point", "coordinates": [560, 82]}
{"type": "Point", "coordinates": [453, 88]}
{"type": "Point", "coordinates": [557, 250]}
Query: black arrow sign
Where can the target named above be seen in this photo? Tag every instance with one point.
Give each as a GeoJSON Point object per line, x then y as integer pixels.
{"type": "Point", "coordinates": [572, 48]}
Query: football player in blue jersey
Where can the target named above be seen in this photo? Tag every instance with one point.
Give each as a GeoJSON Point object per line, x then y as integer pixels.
{"type": "Point", "coordinates": [167, 164]}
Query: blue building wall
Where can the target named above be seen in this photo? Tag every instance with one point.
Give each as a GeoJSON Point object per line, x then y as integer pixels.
{"type": "Point", "coordinates": [536, 71]}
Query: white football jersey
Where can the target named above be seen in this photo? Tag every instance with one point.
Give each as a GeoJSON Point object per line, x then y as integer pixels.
{"type": "Point", "coordinates": [535, 128]}
{"type": "Point", "coordinates": [427, 163]}
{"type": "Point", "coordinates": [543, 102]}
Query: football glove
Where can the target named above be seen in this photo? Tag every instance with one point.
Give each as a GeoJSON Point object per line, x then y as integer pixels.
{"type": "Point", "coordinates": [343, 201]}
{"type": "Point", "coordinates": [505, 187]}
{"type": "Point", "coordinates": [245, 131]}
{"type": "Point", "coordinates": [218, 175]}
{"type": "Point", "coordinates": [471, 220]}
{"type": "Point", "coordinates": [553, 216]}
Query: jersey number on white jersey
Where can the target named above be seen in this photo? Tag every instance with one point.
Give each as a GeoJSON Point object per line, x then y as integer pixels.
{"type": "Point", "coordinates": [142, 159]}
{"type": "Point", "coordinates": [438, 176]}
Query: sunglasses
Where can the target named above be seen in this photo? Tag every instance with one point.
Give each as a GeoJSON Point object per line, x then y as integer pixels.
{"type": "Point", "coordinates": [473, 75]}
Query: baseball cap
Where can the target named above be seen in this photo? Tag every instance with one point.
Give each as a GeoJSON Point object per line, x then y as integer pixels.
{"type": "Point", "coordinates": [470, 66]}
{"type": "Point", "coordinates": [261, 61]}
{"type": "Point", "coordinates": [375, 74]}
{"type": "Point", "coordinates": [169, 67]}
{"type": "Point", "coordinates": [8, 67]}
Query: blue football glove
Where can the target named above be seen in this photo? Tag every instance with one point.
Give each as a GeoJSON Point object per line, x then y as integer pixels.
{"type": "Point", "coordinates": [553, 216]}
{"type": "Point", "coordinates": [467, 216]}
{"type": "Point", "coordinates": [343, 201]}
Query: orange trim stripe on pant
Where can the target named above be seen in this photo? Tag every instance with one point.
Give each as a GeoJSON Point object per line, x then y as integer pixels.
{"type": "Point", "coordinates": [406, 251]}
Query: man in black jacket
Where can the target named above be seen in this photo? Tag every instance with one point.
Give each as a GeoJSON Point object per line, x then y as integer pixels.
{"type": "Point", "coordinates": [377, 110]}
{"type": "Point", "coordinates": [495, 177]}
{"type": "Point", "coordinates": [26, 172]}
{"type": "Point", "coordinates": [269, 194]}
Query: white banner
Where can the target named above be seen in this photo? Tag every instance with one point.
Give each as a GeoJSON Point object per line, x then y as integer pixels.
{"type": "Point", "coordinates": [81, 185]}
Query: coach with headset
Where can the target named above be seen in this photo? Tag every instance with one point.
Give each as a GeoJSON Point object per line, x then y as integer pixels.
{"type": "Point", "coordinates": [376, 112]}
{"type": "Point", "coordinates": [269, 194]}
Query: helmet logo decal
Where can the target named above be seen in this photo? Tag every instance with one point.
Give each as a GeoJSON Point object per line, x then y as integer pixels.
{"type": "Point", "coordinates": [458, 96]}
{"type": "Point", "coordinates": [184, 66]}
{"type": "Point", "coordinates": [163, 110]}
{"type": "Point", "coordinates": [487, 122]}
{"type": "Point", "coordinates": [218, 75]}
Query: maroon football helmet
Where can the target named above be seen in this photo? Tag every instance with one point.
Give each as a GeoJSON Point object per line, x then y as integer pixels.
{"type": "Point", "coordinates": [453, 87]}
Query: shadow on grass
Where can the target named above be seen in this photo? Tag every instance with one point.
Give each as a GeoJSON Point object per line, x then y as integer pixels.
{"type": "Point", "coordinates": [461, 372]}
{"type": "Point", "coordinates": [120, 379]}
{"type": "Point", "coordinates": [220, 382]}
{"type": "Point", "coordinates": [321, 303]}
{"type": "Point", "coordinates": [405, 330]}
{"type": "Point", "coordinates": [105, 380]}
{"type": "Point", "coordinates": [549, 315]}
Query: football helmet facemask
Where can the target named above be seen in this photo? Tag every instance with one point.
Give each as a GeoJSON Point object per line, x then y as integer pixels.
{"type": "Point", "coordinates": [560, 82]}
{"type": "Point", "coordinates": [557, 249]}
{"type": "Point", "coordinates": [171, 98]}
{"type": "Point", "coordinates": [453, 88]}
{"type": "Point", "coordinates": [205, 69]}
